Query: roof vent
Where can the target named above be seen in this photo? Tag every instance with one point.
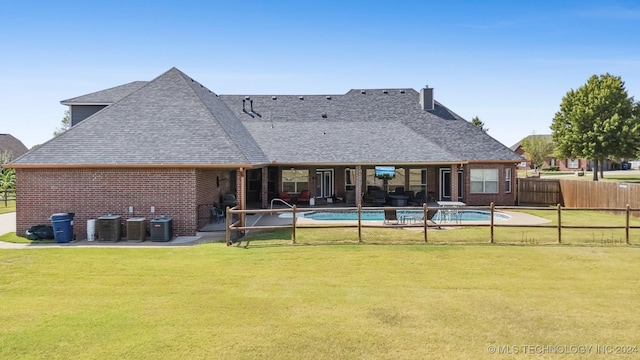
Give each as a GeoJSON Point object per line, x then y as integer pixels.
{"type": "Point", "coordinates": [385, 91]}
{"type": "Point", "coordinates": [301, 98]}
{"type": "Point", "coordinates": [362, 92]}
{"type": "Point", "coordinates": [401, 91]}
{"type": "Point", "coordinates": [329, 97]}
{"type": "Point", "coordinates": [274, 98]}
{"type": "Point", "coordinates": [324, 116]}
{"type": "Point", "coordinates": [247, 98]}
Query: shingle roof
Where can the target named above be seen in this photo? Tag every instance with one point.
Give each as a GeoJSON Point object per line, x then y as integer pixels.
{"type": "Point", "coordinates": [362, 126]}
{"type": "Point", "coordinates": [175, 120]}
{"type": "Point", "coordinates": [12, 145]}
{"type": "Point", "coordinates": [548, 137]}
{"type": "Point", "coordinates": [170, 120]}
{"type": "Point", "coordinates": [106, 97]}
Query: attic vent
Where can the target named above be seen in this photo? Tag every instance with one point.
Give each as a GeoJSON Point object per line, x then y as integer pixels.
{"type": "Point", "coordinates": [362, 92]}
{"type": "Point", "coordinates": [274, 98]}
{"type": "Point", "coordinates": [328, 97]}
{"type": "Point", "coordinates": [385, 91]}
{"type": "Point", "coordinates": [301, 98]}
{"type": "Point", "coordinates": [401, 91]}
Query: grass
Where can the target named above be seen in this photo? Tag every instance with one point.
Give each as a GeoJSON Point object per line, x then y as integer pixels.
{"type": "Point", "coordinates": [9, 206]}
{"type": "Point", "coordinates": [317, 302]}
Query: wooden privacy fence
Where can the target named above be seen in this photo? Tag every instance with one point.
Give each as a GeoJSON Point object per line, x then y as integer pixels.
{"type": "Point", "coordinates": [590, 194]}
{"type": "Point", "coordinates": [539, 192]}
{"type": "Point", "coordinates": [578, 194]}
{"type": "Point", "coordinates": [235, 225]}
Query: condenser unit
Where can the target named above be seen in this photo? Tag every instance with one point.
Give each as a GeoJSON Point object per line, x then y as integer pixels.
{"type": "Point", "coordinates": [136, 229]}
{"type": "Point", "coordinates": [161, 229]}
{"type": "Point", "coordinates": [109, 228]}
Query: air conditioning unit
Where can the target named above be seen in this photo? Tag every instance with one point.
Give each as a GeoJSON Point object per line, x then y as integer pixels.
{"type": "Point", "coordinates": [136, 229]}
{"type": "Point", "coordinates": [109, 228]}
{"type": "Point", "coordinates": [161, 229]}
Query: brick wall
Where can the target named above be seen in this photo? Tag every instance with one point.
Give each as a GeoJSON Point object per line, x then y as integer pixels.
{"type": "Point", "coordinates": [90, 193]}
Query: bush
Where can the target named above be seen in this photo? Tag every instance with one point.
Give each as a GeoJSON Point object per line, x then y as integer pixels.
{"type": "Point", "coordinates": [551, 168]}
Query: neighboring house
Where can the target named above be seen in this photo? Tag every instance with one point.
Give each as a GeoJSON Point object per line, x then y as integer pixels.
{"type": "Point", "coordinates": [11, 146]}
{"type": "Point", "coordinates": [562, 164]}
{"type": "Point", "coordinates": [174, 146]}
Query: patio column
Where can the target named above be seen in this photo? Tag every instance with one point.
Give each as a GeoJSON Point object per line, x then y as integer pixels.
{"type": "Point", "coordinates": [358, 183]}
{"type": "Point", "coordinates": [242, 192]}
{"type": "Point", "coordinates": [264, 188]}
{"type": "Point", "coordinates": [454, 182]}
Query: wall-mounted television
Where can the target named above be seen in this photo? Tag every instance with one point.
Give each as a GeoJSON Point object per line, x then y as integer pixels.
{"type": "Point", "coordinates": [385, 172]}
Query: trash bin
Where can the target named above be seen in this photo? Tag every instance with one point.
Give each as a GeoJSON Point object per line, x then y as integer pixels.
{"type": "Point", "coordinates": [62, 227]}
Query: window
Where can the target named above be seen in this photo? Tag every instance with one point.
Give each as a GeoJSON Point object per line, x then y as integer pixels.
{"type": "Point", "coordinates": [294, 181]}
{"type": "Point", "coordinates": [417, 180]}
{"type": "Point", "coordinates": [484, 181]}
{"type": "Point", "coordinates": [350, 179]}
{"type": "Point", "coordinates": [507, 180]}
{"type": "Point", "coordinates": [572, 163]}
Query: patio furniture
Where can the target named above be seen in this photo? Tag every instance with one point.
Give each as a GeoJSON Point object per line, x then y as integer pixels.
{"type": "Point", "coordinates": [398, 200]}
{"type": "Point", "coordinates": [217, 214]}
{"type": "Point", "coordinates": [390, 217]}
{"type": "Point", "coordinates": [304, 196]}
{"type": "Point", "coordinates": [284, 196]}
{"type": "Point", "coordinates": [229, 200]}
{"type": "Point", "coordinates": [379, 197]}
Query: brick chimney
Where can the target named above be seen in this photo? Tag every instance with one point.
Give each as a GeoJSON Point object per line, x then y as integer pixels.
{"type": "Point", "coordinates": [426, 98]}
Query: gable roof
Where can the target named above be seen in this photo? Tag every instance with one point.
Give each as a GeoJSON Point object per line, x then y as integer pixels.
{"type": "Point", "coordinates": [106, 97]}
{"type": "Point", "coordinates": [12, 145]}
{"type": "Point", "coordinates": [172, 120]}
{"type": "Point", "coordinates": [175, 121]}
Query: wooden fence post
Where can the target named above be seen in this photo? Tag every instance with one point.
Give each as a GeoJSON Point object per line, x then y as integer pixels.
{"type": "Point", "coordinates": [424, 221]}
{"type": "Point", "coordinates": [559, 224]}
{"type": "Point", "coordinates": [491, 220]}
{"type": "Point", "coordinates": [227, 221]}
{"type": "Point", "coordinates": [359, 223]}
{"type": "Point", "coordinates": [293, 228]}
{"type": "Point", "coordinates": [626, 229]}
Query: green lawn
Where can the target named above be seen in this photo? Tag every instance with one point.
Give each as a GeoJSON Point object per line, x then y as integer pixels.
{"type": "Point", "coordinates": [316, 302]}
{"type": "Point", "coordinates": [9, 206]}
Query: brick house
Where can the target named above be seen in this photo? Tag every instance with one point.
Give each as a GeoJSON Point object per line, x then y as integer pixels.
{"type": "Point", "coordinates": [562, 164]}
{"type": "Point", "coordinates": [173, 146]}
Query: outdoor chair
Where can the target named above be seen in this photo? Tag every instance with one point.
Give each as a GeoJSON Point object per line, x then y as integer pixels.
{"type": "Point", "coordinates": [390, 217]}
{"type": "Point", "coordinates": [304, 196]}
{"type": "Point", "coordinates": [418, 199]}
{"type": "Point", "coordinates": [379, 197]}
{"type": "Point", "coordinates": [217, 214]}
{"type": "Point", "coordinates": [284, 196]}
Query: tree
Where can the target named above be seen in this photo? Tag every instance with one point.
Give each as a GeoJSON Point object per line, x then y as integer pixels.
{"type": "Point", "coordinates": [537, 149]}
{"type": "Point", "coordinates": [597, 121]}
{"type": "Point", "coordinates": [7, 182]}
{"type": "Point", "coordinates": [6, 157]}
{"type": "Point", "coordinates": [65, 124]}
{"type": "Point", "coordinates": [475, 121]}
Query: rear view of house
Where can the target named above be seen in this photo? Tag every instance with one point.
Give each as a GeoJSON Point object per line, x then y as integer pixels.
{"type": "Point", "coordinates": [171, 146]}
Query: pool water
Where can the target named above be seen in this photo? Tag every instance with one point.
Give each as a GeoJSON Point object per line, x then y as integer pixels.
{"type": "Point", "coordinates": [463, 215]}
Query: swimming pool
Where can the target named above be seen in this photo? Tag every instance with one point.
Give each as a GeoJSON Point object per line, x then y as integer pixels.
{"type": "Point", "coordinates": [463, 215]}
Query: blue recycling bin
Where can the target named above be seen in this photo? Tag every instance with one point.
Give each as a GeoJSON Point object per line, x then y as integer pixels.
{"type": "Point", "coordinates": [62, 227]}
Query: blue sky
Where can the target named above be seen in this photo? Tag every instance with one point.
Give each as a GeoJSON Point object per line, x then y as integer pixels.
{"type": "Point", "coordinates": [508, 62]}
